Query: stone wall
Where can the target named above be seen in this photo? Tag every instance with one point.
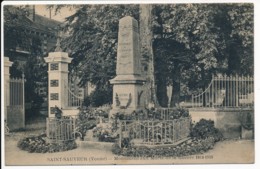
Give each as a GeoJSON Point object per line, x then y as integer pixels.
{"type": "Point", "coordinates": [226, 120]}
{"type": "Point", "coordinates": [15, 117]}
{"type": "Point", "coordinates": [70, 112]}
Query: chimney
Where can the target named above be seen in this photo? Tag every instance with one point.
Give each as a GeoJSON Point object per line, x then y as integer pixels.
{"type": "Point", "coordinates": [30, 12]}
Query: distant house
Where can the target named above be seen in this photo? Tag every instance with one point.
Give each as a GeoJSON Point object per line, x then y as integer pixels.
{"type": "Point", "coordinates": [45, 29]}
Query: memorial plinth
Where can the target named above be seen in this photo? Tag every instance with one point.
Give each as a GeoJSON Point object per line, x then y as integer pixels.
{"type": "Point", "coordinates": [128, 85]}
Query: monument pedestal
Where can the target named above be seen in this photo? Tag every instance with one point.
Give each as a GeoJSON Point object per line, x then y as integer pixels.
{"type": "Point", "coordinates": [128, 94]}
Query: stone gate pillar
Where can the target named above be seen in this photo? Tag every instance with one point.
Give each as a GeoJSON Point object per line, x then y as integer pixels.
{"type": "Point", "coordinates": [57, 80]}
{"type": "Point", "coordinates": [7, 65]}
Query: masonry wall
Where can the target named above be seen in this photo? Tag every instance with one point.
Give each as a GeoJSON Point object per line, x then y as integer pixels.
{"type": "Point", "coordinates": [226, 120]}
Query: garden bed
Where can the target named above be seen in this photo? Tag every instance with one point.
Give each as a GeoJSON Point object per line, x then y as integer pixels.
{"type": "Point", "coordinates": [190, 147]}
{"type": "Point", "coordinates": [39, 144]}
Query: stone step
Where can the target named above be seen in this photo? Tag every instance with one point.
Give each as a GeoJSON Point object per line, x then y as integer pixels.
{"type": "Point", "coordinates": [89, 136]}
{"type": "Point", "coordinates": [95, 145]}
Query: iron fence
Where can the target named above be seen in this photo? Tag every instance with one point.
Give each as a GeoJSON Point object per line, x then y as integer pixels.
{"type": "Point", "coordinates": [15, 117]}
{"type": "Point", "coordinates": [75, 95]}
{"type": "Point", "coordinates": [17, 91]}
{"type": "Point", "coordinates": [226, 91]}
{"type": "Point", "coordinates": [60, 129]}
{"type": "Point", "coordinates": [154, 132]}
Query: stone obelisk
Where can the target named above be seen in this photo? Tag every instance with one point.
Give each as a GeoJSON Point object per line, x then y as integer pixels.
{"type": "Point", "coordinates": [128, 85]}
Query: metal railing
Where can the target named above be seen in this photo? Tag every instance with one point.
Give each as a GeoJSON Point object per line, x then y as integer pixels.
{"type": "Point", "coordinates": [158, 114]}
{"type": "Point", "coordinates": [74, 98]}
{"type": "Point", "coordinates": [15, 117]}
{"type": "Point", "coordinates": [17, 91]}
{"type": "Point", "coordinates": [150, 132]}
{"type": "Point", "coordinates": [60, 129]}
{"type": "Point", "coordinates": [226, 91]}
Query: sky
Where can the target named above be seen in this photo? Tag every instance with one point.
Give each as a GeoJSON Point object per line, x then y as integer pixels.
{"type": "Point", "coordinates": [64, 12]}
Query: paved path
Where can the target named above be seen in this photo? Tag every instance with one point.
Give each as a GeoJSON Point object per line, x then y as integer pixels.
{"type": "Point", "coordinates": [229, 151]}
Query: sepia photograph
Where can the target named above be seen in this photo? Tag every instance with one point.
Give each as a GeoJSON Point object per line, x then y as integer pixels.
{"type": "Point", "coordinates": [127, 83]}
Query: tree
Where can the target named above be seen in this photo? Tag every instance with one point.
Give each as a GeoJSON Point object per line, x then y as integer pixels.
{"type": "Point", "coordinates": [146, 38]}
{"type": "Point", "coordinates": [31, 63]}
{"type": "Point", "coordinates": [92, 43]}
{"type": "Point", "coordinates": [207, 33]}
{"type": "Point", "coordinates": [190, 43]}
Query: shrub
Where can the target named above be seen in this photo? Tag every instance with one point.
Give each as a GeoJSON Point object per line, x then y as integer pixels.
{"type": "Point", "coordinates": [106, 138]}
{"type": "Point", "coordinates": [86, 121]}
{"type": "Point", "coordinates": [84, 126]}
{"type": "Point", "coordinates": [152, 114]}
{"type": "Point", "coordinates": [204, 129]}
{"type": "Point", "coordinates": [101, 96]}
{"type": "Point", "coordinates": [116, 149]}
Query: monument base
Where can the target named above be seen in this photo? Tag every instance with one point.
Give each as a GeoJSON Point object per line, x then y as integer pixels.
{"type": "Point", "coordinates": [128, 94]}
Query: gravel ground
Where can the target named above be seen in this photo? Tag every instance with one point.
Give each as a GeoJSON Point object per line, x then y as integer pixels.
{"type": "Point", "coordinates": [227, 151]}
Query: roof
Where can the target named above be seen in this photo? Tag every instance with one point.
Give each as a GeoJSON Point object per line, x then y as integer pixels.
{"type": "Point", "coordinates": [46, 22]}
{"type": "Point", "coordinates": [40, 23]}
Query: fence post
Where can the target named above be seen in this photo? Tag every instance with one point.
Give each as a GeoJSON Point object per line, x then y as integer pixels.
{"type": "Point", "coordinates": [237, 94]}
{"type": "Point", "coordinates": [192, 102]}
{"type": "Point", "coordinates": [212, 92]}
{"type": "Point", "coordinates": [173, 131]}
{"type": "Point", "coordinates": [7, 65]}
{"type": "Point", "coordinates": [23, 101]}
{"type": "Point", "coordinates": [47, 128]}
{"type": "Point", "coordinates": [120, 134]}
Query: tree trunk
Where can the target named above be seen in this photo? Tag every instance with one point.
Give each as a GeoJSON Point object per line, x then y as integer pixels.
{"type": "Point", "coordinates": [146, 39]}
{"type": "Point", "coordinates": [162, 91]}
{"type": "Point", "coordinates": [176, 90]}
{"type": "Point", "coordinates": [203, 77]}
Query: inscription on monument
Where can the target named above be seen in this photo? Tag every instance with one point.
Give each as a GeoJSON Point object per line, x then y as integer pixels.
{"type": "Point", "coordinates": [128, 41]}
{"type": "Point", "coordinates": [123, 96]}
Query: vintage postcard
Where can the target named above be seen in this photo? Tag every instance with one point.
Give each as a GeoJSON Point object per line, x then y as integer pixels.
{"type": "Point", "coordinates": [128, 83]}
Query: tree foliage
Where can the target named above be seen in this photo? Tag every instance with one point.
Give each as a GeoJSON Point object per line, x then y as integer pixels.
{"type": "Point", "coordinates": [196, 41]}
{"type": "Point", "coordinates": [92, 43]}
{"type": "Point", "coordinates": [191, 42]}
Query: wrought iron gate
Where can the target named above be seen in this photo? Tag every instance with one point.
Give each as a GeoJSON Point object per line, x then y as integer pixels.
{"type": "Point", "coordinates": [16, 110]}
{"type": "Point", "coordinates": [226, 91]}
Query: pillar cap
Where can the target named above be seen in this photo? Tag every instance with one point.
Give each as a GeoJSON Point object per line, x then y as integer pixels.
{"type": "Point", "coordinates": [58, 57]}
{"type": "Point", "coordinates": [7, 62]}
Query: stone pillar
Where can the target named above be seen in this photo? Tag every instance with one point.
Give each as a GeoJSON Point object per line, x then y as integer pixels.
{"type": "Point", "coordinates": [7, 65]}
{"type": "Point", "coordinates": [128, 83]}
{"type": "Point", "coordinates": [57, 80]}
